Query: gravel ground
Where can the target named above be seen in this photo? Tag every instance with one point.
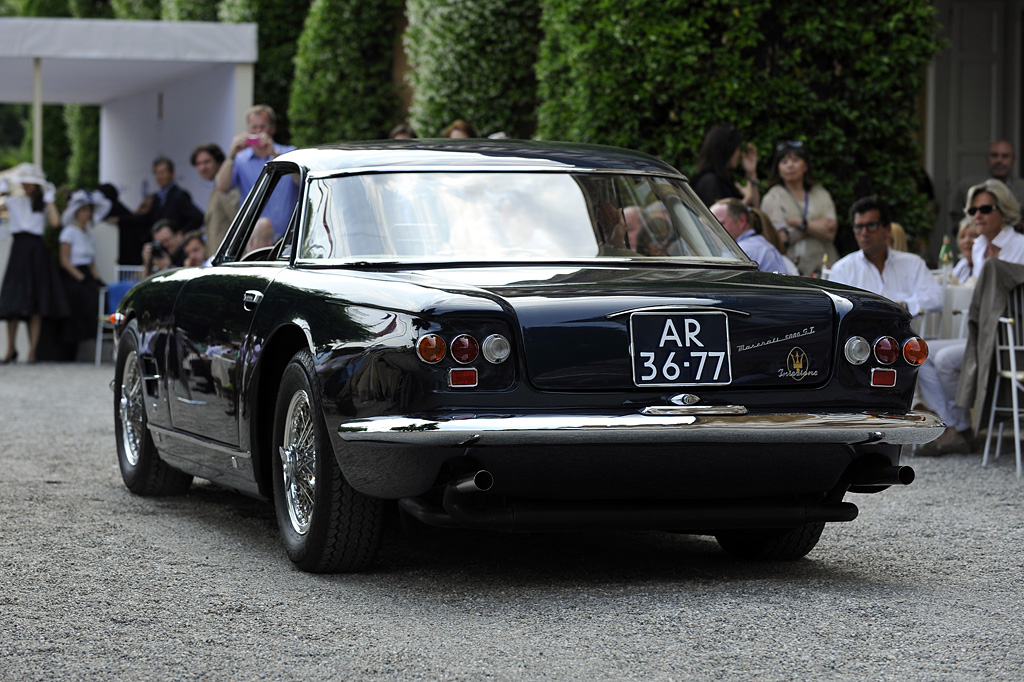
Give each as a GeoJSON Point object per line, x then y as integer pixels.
{"type": "Point", "coordinates": [95, 583]}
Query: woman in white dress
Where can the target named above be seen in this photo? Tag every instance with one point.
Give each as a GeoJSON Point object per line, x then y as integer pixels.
{"type": "Point", "coordinates": [31, 288]}
{"type": "Point", "coordinates": [78, 266]}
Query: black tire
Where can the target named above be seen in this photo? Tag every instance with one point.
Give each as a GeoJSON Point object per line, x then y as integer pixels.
{"type": "Point", "coordinates": [326, 525]}
{"type": "Point", "coordinates": [771, 544]}
{"type": "Point", "coordinates": [142, 470]}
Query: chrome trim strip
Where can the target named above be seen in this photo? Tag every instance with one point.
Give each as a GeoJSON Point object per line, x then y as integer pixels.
{"type": "Point", "coordinates": [189, 402]}
{"type": "Point", "coordinates": [200, 442]}
{"type": "Point", "coordinates": [805, 427]}
{"type": "Point", "coordinates": [697, 304]}
{"type": "Point", "coordinates": [669, 410]}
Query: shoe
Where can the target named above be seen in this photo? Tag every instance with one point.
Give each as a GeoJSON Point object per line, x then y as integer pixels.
{"type": "Point", "coordinates": [10, 358]}
{"type": "Point", "coordinates": [949, 443]}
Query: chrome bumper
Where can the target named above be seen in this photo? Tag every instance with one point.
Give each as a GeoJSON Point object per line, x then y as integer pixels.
{"type": "Point", "coordinates": [851, 428]}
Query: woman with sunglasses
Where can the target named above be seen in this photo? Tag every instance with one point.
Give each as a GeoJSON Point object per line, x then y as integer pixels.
{"type": "Point", "coordinates": [801, 209]}
{"type": "Point", "coordinates": [994, 211]}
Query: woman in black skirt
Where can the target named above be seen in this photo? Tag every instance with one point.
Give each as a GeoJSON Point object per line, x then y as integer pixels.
{"type": "Point", "coordinates": [78, 266]}
{"type": "Point", "coordinates": [31, 288]}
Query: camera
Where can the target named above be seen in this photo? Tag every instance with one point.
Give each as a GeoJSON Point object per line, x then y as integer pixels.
{"type": "Point", "coordinates": [157, 250]}
{"type": "Point", "coordinates": [253, 140]}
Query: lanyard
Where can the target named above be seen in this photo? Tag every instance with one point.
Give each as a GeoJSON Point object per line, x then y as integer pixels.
{"type": "Point", "coordinates": [807, 198]}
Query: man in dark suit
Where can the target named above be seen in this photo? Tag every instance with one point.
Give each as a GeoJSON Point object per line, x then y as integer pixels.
{"type": "Point", "coordinates": [170, 202]}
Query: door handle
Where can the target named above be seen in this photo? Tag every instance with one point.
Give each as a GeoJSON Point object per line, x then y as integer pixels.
{"type": "Point", "coordinates": [251, 299]}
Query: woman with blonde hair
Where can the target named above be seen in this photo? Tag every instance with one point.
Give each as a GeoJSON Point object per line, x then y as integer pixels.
{"type": "Point", "coordinates": [994, 211]}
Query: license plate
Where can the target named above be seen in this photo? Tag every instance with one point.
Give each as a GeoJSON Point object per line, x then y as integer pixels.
{"type": "Point", "coordinates": [680, 349]}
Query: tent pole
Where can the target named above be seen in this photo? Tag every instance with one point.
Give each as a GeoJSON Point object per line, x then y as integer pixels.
{"type": "Point", "coordinates": [37, 111]}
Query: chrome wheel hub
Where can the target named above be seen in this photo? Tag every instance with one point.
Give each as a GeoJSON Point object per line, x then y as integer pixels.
{"type": "Point", "coordinates": [130, 410]}
{"type": "Point", "coordinates": [298, 462]}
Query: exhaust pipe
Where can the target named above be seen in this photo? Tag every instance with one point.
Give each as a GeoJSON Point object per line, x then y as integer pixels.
{"type": "Point", "coordinates": [480, 482]}
{"type": "Point", "coordinates": [886, 475]}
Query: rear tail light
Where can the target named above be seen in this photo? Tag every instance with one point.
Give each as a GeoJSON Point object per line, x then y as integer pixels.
{"type": "Point", "coordinates": [857, 350]}
{"type": "Point", "coordinates": [887, 351]}
{"type": "Point", "coordinates": [465, 349]}
{"type": "Point", "coordinates": [430, 348]}
{"type": "Point", "coordinates": [915, 351]}
{"type": "Point", "coordinates": [496, 349]}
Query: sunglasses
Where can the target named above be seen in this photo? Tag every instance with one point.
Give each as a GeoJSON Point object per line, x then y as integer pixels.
{"type": "Point", "coordinates": [870, 227]}
{"type": "Point", "coordinates": [789, 144]}
{"type": "Point", "coordinates": [984, 209]}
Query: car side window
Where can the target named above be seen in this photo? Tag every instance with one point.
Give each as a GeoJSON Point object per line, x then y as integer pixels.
{"type": "Point", "coordinates": [268, 217]}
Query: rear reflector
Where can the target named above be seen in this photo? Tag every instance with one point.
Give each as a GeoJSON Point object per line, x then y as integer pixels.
{"type": "Point", "coordinates": [883, 377]}
{"type": "Point", "coordinates": [462, 378]}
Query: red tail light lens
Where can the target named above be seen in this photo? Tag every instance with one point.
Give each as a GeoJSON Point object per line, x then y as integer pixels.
{"type": "Point", "coordinates": [430, 348]}
{"type": "Point", "coordinates": [915, 351]}
{"type": "Point", "coordinates": [465, 349]}
{"type": "Point", "coordinates": [887, 351]}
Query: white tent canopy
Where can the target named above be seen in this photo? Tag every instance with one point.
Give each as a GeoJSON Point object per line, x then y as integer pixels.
{"type": "Point", "coordinates": [162, 88]}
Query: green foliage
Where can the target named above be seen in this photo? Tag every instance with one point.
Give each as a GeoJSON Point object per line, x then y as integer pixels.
{"type": "Point", "coordinates": [343, 71]}
{"type": "Point", "coordinates": [44, 8]}
{"type": "Point", "coordinates": [136, 9]}
{"type": "Point", "coordinates": [474, 61]}
{"type": "Point", "coordinates": [91, 9]}
{"type": "Point", "coordinates": [188, 10]}
{"type": "Point", "coordinates": [235, 11]}
{"type": "Point", "coordinates": [840, 76]}
{"type": "Point", "coordinates": [55, 144]}
{"type": "Point", "coordinates": [83, 126]}
{"type": "Point", "coordinates": [280, 24]}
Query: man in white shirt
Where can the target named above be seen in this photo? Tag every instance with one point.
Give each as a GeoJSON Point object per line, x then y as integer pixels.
{"type": "Point", "coordinates": [734, 216]}
{"type": "Point", "coordinates": [901, 277]}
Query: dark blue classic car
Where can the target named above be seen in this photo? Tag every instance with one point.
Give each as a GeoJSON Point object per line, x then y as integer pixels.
{"type": "Point", "coordinates": [509, 336]}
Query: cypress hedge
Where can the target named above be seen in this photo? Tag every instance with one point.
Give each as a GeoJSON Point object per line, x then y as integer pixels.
{"type": "Point", "coordinates": [343, 71]}
{"type": "Point", "coordinates": [280, 23]}
{"type": "Point", "coordinates": [841, 77]}
{"type": "Point", "coordinates": [474, 61]}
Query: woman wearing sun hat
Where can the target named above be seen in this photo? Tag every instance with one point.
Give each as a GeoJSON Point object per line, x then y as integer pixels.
{"type": "Point", "coordinates": [78, 266]}
{"type": "Point", "coordinates": [31, 287]}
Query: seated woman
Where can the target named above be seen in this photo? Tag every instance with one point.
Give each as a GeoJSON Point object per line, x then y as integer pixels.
{"type": "Point", "coordinates": [78, 267]}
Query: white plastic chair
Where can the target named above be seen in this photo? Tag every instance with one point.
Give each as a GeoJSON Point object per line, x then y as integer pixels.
{"type": "Point", "coordinates": [1009, 343]}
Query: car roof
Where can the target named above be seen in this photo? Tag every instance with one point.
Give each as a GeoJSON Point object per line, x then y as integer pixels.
{"type": "Point", "coordinates": [482, 154]}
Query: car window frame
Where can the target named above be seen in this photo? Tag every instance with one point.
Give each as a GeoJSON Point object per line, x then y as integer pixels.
{"type": "Point", "coordinates": [232, 249]}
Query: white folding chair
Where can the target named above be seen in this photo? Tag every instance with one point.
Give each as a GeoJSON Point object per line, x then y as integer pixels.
{"type": "Point", "coordinates": [1009, 343]}
{"type": "Point", "coordinates": [129, 273]}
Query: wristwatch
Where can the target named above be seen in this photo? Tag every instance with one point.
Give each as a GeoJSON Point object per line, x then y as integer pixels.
{"type": "Point", "coordinates": [803, 225]}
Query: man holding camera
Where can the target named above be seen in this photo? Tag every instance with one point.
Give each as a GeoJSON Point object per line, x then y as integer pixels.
{"type": "Point", "coordinates": [166, 250]}
{"type": "Point", "coordinates": [250, 151]}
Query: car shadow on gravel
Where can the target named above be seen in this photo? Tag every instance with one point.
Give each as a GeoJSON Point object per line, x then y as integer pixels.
{"type": "Point", "coordinates": [425, 556]}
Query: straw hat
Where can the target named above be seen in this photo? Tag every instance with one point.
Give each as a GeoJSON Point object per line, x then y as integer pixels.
{"type": "Point", "coordinates": [100, 206]}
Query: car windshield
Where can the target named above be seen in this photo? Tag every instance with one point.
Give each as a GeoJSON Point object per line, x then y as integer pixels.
{"type": "Point", "coordinates": [492, 216]}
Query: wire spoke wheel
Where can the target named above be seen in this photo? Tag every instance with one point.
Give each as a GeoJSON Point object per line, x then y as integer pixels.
{"type": "Point", "coordinates": [325, 524]}
{"type": "Point", "coordinates": [298, 462]}
{"type": "Point", "coordinates": [131, 410]}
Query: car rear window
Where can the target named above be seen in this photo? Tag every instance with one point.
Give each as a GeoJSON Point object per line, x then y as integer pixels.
{"type": "Point", "coordinates": [492, 216]}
